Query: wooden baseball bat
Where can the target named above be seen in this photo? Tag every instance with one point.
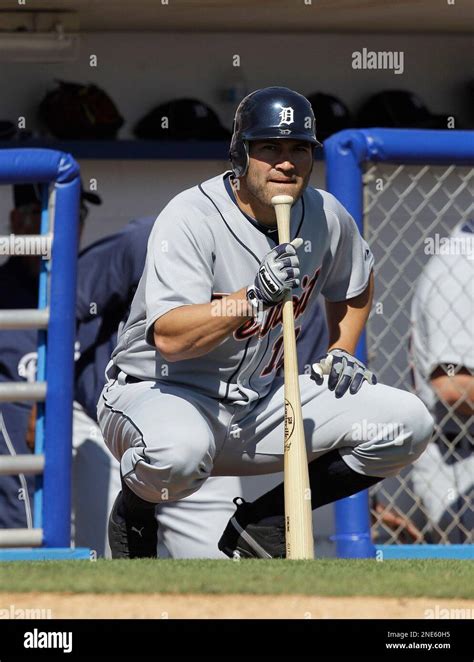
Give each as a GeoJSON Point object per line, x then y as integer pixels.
{"type": "Point", "coordinates": [298, 513]}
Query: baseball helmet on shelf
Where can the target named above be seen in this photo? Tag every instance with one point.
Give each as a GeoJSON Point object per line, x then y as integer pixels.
{"type": "Point", "coordinates": [272, 112]}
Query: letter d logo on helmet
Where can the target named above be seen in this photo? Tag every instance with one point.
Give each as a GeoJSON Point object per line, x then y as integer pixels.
{"type": "Point", "coordinates": [272, 112]}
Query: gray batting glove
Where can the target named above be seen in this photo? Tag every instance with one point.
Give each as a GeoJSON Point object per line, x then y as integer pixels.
{"type": "Point", "coordinates": [344, 370]}
{"type": "Point", "coordinates": [278, 272]}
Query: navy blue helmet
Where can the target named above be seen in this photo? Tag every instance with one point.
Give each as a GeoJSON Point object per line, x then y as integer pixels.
{"type": "Point", "coordinates": [272, 112]}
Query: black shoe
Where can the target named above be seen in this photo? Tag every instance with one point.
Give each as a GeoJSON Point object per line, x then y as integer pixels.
{"type": "Point", "coordinates": [244, 538]}
{"type": "Point", "coordinates": [132, 537]}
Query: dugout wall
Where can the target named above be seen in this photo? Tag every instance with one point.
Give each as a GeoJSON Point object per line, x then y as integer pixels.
{"type": "Point", "coordinates": [404, 187]}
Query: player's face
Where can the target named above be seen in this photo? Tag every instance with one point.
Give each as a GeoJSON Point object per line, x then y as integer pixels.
{"type": "Point", "coordinates": [27, 219]}
{"type": "Point", "coordinates": [278, 167]}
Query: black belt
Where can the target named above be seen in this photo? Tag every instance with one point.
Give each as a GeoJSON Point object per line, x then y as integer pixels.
{"type": "Point", "coordinates": [131, 380]}
{"type": "Point", "coordinates": [114, 371]}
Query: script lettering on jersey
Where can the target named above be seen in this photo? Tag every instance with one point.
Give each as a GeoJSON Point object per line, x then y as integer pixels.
{"type": "Point", "coordinates": [275, 318]}
{"type": "Point", "coordinates": [275, 315]}
{"type": "Point", "coordinates": [277, 357]}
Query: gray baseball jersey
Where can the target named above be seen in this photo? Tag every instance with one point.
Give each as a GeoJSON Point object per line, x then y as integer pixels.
{"type": "Point", "coordinates": [203, 247]}
{"type": "Point", "coordinates": [442, 317]}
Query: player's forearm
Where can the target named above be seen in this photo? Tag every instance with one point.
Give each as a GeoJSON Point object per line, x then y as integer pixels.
{"type": "Point", "coordinates": [456, 391]}
{"type": "Point", "coordinates": [346, 319]}
{"type": "Point", "coordinates": [188, 332]}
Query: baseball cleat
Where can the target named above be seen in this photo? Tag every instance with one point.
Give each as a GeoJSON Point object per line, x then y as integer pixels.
{"type": "Point", "coordinates": [132, 537]}
{"type": "Point", "coordinates": [244, 538]}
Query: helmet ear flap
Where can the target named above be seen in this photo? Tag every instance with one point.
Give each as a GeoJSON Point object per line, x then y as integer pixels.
{"type": "Point", "coordinates": [239, 157]}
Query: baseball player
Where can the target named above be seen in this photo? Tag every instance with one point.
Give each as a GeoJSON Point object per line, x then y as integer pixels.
{"type": "Point", "coordinates": [108, 274]}
{"type": "Point", "coordinates": [192, 387]}
{"type": "Point", "coordinates": [442, 351]}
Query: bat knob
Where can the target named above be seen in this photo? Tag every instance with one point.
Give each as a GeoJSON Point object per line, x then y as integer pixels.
{"type": "Point", "coordinates": [282, 200]}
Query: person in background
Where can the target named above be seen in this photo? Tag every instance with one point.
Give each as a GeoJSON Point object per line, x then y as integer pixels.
{"type": "Point", "coordinates": [19, 289]}
{"type": "Point", "coordinates": [442, 349]}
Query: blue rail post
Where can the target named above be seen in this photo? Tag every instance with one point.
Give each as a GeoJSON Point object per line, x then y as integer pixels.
{"type": "Point", "coordinates": [60, 368]}
{"type": "Point", "coordinates": [58, 293]}
{"type": "Point", "coordinates": [344, 154]}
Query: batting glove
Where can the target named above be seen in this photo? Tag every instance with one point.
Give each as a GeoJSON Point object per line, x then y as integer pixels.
{"type": "Point", "coordinates": [278, 272]}
{"type": "Point", "coordinates": [344, 370]}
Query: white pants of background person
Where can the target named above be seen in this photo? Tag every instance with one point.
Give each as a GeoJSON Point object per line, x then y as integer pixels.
{"type": "Point", "coordinates": [440, 485]}
{"type": "Point", "coordinates": [95, 484]}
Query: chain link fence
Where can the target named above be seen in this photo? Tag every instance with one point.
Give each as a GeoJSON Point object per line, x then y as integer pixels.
{"type": "Point", "coordinates": [419, 222]}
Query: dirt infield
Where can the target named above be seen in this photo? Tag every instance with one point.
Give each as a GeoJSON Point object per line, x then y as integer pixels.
{"type": "Point", "coordinates": [70, 605]}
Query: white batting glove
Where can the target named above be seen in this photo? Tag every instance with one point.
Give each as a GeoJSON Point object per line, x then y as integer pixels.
{"type": "Point", "coordinates": [346, 373]}
{"type": "Point", "coordinates": [278, 272]}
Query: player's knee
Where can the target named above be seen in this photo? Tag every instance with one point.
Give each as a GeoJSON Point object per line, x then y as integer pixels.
{"type": "Point", "coordinates": [418, 423]}
{"type": "Point", "coordinates": [189, 464]}
{"type": "Point", "coordinates": [407, 436]}
{"type": "Point", "coordinates": [394, 442]}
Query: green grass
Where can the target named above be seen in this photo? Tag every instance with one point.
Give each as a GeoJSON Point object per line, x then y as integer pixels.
{"type": "Point", "coordinates": [430, 578]}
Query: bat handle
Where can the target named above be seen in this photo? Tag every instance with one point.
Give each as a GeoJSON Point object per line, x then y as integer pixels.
{"type": "Point", "coordinates": [282, 205]}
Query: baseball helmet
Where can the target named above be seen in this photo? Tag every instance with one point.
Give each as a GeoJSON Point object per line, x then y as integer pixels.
{"type": "Point", "coordinates": [272, 112]}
